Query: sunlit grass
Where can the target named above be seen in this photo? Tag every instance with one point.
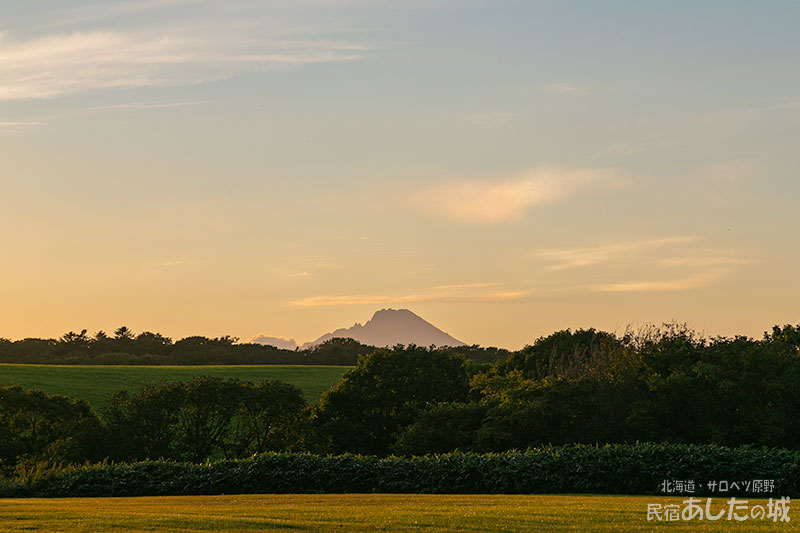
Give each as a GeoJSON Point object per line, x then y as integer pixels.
{"type": "Point", "coordinates": [96, 384]}
{"type": "Point", "coordinates": [355, 512]}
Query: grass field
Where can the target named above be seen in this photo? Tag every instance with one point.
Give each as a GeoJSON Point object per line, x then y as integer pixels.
{"type": "Point", "coordinates": [96, 384]}
{"type": "Point", "coordinates": [356, 512]}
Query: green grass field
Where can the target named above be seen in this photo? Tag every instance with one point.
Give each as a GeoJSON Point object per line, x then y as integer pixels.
{"type": "Point", "coordinates": [356, 512]}
{"type": "Point", "coordinates": [96, 384]}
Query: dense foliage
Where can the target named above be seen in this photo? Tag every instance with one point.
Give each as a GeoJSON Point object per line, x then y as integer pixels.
{"type": "Point", "coordinates": [127, 348]}
{"type": "Point", "coordinates": [385, 393]}
{"type": "Point", "coordinates": [203, 418]}
{"type": "Point", "coordinates": [665, 384]}
{"type": "Point", "coordinates": [36, 427]}
{"type": "Point", "coordinates": [619, 469]}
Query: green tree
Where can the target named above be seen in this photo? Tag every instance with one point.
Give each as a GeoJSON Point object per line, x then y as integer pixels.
{"type": "Point", "coordinates": [564, 353]}
{"type": "Point", "coordinates": [36, 426]}
{"type": "Point", "coordinates": [205, 418]}
{"type": "Point", "coordinates": [72, 342]}
{"type": "Point", "coordinates": [384, 394]}
{"type": "Point", "coordinates": [123, 333]}
{"type": "Point", "coordinates": [177, 420]}
{"type": "Point", "coordinates": [271, 417]}
{"type": "Point", "coordinates": [442, 428]}
{"type": "Point", "coordinates": [151, 343]}
{"type": "Point", "coordinates": [143, 425]}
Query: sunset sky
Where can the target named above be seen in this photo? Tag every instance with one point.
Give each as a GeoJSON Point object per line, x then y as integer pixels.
{"type": "Point", "coordinates": [502, 168]}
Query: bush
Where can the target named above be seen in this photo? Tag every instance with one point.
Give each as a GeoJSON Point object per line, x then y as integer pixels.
{"type": "Point", "coordinates": [205, 418]}
{"type": "Point", "coordinates": [35, 426]}
{"type": "Point", "coordinates": [385, 393]}
{"type": "Point", "coordinates": [618, 469]}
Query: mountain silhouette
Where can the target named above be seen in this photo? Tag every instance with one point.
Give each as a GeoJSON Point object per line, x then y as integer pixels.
{"type": "Point", "coordinates": [387, 327]}
{"type": "Point", "coordinates": [278, 342]}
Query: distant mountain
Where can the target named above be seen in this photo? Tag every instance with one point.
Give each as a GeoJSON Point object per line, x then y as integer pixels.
{"type": "Point", "coordinates": [278, 342]}
{"type": "Point", "coordinates": [387, 327]}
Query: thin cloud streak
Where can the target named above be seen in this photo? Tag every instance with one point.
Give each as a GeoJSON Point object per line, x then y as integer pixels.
{"type": "Point", "coordinates": [697, 281]}
{"type": "Point", "coordinates": [700, 267]}
{"type": "Point", "coordinates": [566, 258]}
{"type": "Point", "coordinates": [104, 11]}
{"type": "Point", "coordinates": [14, 126]}
{"type": "Point", "coordinates": [325, 301]}
{"type": "Point", "coordinates": [468, 292]}
{"type": "Point", "coordinates": [504, 296]}
{"type": "Point", "coordinates": [562, 88]}
{"type": "Point", "coordinates": [144, 106]}
{"type": "Point", "coordinates": [72, 63]}
{"type": "Point", "coordinates": [704, 261]}
{"type": "Point", "coordinates": [480, 285]}
{"type": "Point", "coordinates": [498, 201]}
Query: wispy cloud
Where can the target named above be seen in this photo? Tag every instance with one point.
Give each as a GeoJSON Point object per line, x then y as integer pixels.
{"type": "Point", "coordinates": [563, 88]}
{"type": "Point", "coordinates": [14, 126]}
{"type": "Point", "coordinates": [695, 281]}
{"type": "Point", "coordinates": [324, 301]}
{"type": "Point", "coordinates": [69, 63]}
{"type": "Point", "coordinates": [480, 285]}
{"type": "Point", "coordinates": [468, 292]}
{"type": "Point", "coordinates": [491, 201]}
{"type": "Point", "coordinates": [144, 106]}
{"type": "Point", "coordinates": [675, 263]}
{"type": "Point", "coordinates": [105, 11]}
{"type": "Point", "coordinates": [320, 262]}
{"type": "Point", "coordinates": [704, 261]}
{"type": "Point", "coordinates": [504, 295]}
{"type": "Point", "coordinates": [564, 258]}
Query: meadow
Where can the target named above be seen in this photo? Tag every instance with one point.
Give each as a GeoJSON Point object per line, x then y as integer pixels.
{"type": "Point", "coordinates": [358, 512]}
{"type": "Point", "coordinates": [96, 384]}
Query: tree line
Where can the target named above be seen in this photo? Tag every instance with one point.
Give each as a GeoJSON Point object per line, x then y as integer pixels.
{"type": "Point", "coordinates": [665, 384]}
{"type": "Point", "coordinates": [124, 347]}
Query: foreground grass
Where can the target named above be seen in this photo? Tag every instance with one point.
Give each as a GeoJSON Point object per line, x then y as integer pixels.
{"type": "Point", "coordinates": [355, 512]}
{"type": "Point", "coordinates": [96, 384]}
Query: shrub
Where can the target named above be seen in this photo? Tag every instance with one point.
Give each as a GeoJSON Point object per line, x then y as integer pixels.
{"type": "Point", "coordinates": [617, 469]}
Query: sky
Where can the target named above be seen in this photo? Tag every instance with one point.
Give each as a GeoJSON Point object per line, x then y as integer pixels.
{"type": "Point", "coordinates": [503, 168]}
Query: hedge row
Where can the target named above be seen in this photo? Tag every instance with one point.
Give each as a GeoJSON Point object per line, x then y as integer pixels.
{"type": "Point", "coordinates": [611, 469]}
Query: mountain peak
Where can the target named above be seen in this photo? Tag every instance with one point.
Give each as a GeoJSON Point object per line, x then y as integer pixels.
{"type": "Point", "coordinates": [388, 314]}
{"type": "Point", "coordinates": [389, 327]}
